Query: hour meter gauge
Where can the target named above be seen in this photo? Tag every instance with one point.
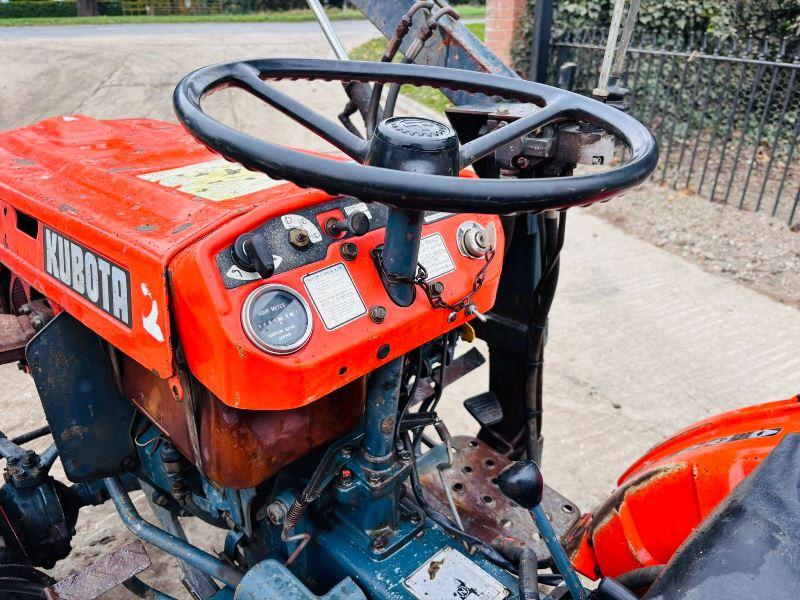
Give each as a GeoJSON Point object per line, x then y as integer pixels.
{"type": "Point", "coordinates": [277, 319]}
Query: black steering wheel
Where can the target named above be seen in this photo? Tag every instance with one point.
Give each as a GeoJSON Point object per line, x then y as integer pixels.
{"type": "Point", "coordinates": [403, 189]}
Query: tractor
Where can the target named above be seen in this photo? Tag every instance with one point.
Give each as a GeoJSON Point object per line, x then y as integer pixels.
{"type": "Point", "coordinates": [259, 336]}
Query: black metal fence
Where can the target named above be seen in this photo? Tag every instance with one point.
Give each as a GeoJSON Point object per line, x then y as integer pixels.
{"type": "Point", "coordinates": [726, 113]}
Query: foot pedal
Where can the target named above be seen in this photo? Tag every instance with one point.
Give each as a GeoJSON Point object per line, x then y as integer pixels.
{"type": "Point", "coordinates": [104, 575]}
{"type": "Point", "coordinates": [485, 409]}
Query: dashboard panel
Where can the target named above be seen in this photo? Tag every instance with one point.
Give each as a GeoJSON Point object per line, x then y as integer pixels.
{"type": "Point", "coordinates": [321, 318]}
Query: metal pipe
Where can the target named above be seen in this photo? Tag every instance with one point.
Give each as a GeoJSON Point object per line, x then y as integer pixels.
{"type": "Point", "coordinates": [401, 252]}
{"type": "Point", "coordinates": [183, 550]}
{"type": "Point", "coordinates": [327, 29]}
{"type": "Point", "coordinates": [31, 435]}
{"type": "Point", "coordinates": [48, 457]}
{"type": "Point", "coordinates": [540, 45]}
{"type": "Point", "coordinates": [601, 91]}
{"type": "Point", "coordinates": [140, 589]}
{"type": "Point", "coordinates": [383, 396]}
{"type": "Point", "coordinates": [625, 40]}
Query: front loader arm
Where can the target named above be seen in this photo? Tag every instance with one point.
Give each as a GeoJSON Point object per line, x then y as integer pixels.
{"type": "Point", "coordinates": [452, 45]}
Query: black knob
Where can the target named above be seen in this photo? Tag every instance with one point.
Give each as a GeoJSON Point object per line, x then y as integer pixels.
{"type": "Point", "coordinates": [356, 224]}
{"type": "Point", "coordinates": [253, 253]}
{"type": "Point", "coordinates": [522, 482]}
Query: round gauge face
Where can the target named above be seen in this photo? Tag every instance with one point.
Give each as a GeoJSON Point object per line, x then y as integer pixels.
{"type": "Point", "coordinates": [277, 319]}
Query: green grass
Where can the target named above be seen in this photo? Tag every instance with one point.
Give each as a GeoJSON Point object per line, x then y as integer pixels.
{"type": "Point", "coordinates": [289, 16]}
{"type": "Point", "coordinates": [432, 98]}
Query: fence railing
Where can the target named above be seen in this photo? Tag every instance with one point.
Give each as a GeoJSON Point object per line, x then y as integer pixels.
{"type": "Point", "coordinates": [726, 113]}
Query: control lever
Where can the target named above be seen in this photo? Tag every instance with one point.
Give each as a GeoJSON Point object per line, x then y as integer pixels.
{"type": "Point", "coordinates": [356, 224]}
{"type": "Point", "coordinates": [253, 253]}
{"type": "Point", "coordinates": [522, 482]}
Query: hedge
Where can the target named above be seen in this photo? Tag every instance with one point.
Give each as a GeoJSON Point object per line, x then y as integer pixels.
{"type": "Point", "coordinates": [739, 18]}
{"type": "Point", "coordinates": [21, 9]}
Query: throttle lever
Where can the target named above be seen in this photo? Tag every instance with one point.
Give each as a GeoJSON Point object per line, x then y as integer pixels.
{"type": "Point", "coordinates": [356, 224]}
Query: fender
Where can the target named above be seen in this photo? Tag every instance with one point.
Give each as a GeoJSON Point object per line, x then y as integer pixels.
{"type": "Point", "coordinates": [665, 495]}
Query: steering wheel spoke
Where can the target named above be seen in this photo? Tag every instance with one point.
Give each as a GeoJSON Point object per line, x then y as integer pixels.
{"type": "Point", "coordinates": [332, 132]}
{"type": "Point", "coordinates": [387, 172]}
{"type": "Point", "coordinates": [486, 144]}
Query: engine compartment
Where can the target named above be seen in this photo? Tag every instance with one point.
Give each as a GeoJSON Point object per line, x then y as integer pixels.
{"type": "Point", "coordinates": [132, 226]}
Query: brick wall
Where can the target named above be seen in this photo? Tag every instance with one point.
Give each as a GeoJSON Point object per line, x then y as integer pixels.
{"type": "Point", "coordinates": [503, 21]}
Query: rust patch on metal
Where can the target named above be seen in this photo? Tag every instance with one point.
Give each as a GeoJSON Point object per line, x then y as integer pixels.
{"type": "Point", "coordinates": [434, 567]}
{"type": "Point", "coordinates": [242, 448]}
{"type": "Point", "coordinates": [74, 431]}
{"type": "Point", "coordinates": [485, 512]}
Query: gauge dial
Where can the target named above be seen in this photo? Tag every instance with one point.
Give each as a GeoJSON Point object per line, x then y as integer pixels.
{"type": "Point", "coordinates": [277, 319]}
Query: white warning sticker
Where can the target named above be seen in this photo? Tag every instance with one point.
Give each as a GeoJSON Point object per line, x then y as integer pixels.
{"type": "Point", "coordinates": [334, 296]}
{"type": "Point", "coordinates": [215, 180]}
{"type": "Point", "coordinates": [358, 207]}
{"type": "Point", "coordinates": [292, 221]}
{"type": "Point", "coordinates": [433, 255]}
{"type": "Point", "coordinates": [450, 574]}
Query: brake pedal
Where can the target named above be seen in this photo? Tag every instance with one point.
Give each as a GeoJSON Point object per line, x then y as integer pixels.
{"type": "Point", "coordinates": [485, 409]}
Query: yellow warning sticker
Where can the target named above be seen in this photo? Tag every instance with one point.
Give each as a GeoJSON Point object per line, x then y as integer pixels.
{"type": "Point", "coordinates": [215, 180]}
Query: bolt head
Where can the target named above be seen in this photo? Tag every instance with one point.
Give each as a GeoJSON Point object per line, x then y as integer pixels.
{"type": "Point", "coordinates": [437, 288]}
{"type": "Point", "coordinates": [377, 314]}
{"type": "Point", "coordinates": [379, 543]}
{"type": "Point", "coordinates": [276, 513]}
{"type": "Point", "coordinates": [374, 477]}
{"type": "Point", "coordinates": [299, 238]}
{"type": "Point", "coordinates": [349, 251]}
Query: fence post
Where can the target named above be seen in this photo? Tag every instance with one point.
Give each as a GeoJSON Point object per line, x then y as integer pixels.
{"type": "Point", "coordinates": [540, 47]}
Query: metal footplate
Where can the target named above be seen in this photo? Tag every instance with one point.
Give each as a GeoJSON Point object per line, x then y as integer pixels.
{"type": "Point", "coordinates": [484, 511]}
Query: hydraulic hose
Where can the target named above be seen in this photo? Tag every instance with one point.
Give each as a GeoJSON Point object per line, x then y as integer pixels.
{"type": "Point", "coordinates": [554, 231]}
{"type": "Point", "coordinates": [641, 578]}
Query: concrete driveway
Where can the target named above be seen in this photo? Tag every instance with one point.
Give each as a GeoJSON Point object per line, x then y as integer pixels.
{"type": "Point", "coordinates": [641, 342]}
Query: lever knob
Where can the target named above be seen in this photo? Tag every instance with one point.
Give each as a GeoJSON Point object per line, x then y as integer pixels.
{"type": "Point", "coordinates": [523, 483]}
{"type": "Point", "coordinates": [356, 224]}
{"type": "Point", "coordinates": [253, 253]}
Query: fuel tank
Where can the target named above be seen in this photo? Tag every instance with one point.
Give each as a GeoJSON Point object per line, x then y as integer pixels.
{"type": "Point", "coordinates": [665, 495]}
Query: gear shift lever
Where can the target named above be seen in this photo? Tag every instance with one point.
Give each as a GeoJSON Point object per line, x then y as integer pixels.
{"type": "Point", "coordinates": [522, 482]}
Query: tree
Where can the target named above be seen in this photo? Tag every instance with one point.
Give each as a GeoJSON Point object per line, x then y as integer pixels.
{"type": "Point", "coordinates": [87, 8]}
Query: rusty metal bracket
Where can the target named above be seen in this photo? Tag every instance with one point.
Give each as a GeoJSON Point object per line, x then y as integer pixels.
{"type": "Point", "coordinates": [453, 45]}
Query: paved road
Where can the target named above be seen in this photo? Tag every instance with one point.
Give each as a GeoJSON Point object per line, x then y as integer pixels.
{"type": "Point", "coordinates": [641, 341]}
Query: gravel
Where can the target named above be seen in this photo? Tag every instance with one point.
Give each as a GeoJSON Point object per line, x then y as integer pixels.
{"type": "Point", "coordinates": [755, 249]}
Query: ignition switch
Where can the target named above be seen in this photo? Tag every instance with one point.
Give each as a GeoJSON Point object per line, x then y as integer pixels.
{"type": "Point", "coordinates": [474, 240]}
{"type": "Point", "coordinates": [252, 252]}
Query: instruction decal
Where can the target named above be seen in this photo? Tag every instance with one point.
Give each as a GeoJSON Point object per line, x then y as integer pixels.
{"type": "Point", "coordinates": [334, 296]}
{"type": "Point", "coordinates": [96, 279]}
{"type": "Point", "coordinates": [215, 180]}
{"type": "Point", "coordinates": [448, 574]}
{"type": "Point", "coordinates": [433, 255]}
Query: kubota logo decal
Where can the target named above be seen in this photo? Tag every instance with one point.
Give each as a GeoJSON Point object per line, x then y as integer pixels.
{"type": "Point", "coordinates": [736, 437]}
{"type": "Point", "coordinates": [101, 282]}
